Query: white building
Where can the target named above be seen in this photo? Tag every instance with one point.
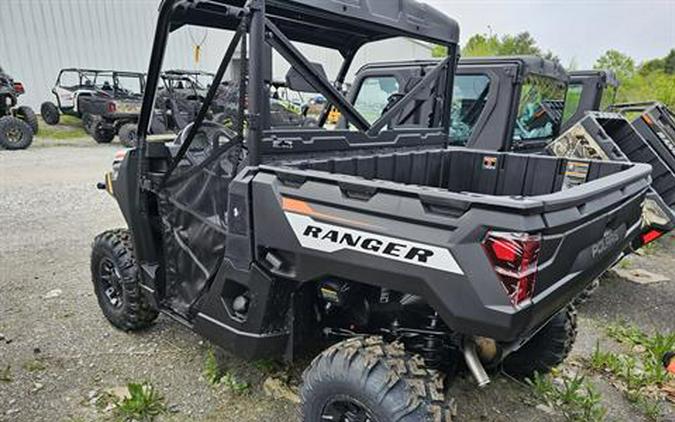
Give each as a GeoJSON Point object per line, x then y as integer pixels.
{"type": "Point", "coordinates": [39, 37]}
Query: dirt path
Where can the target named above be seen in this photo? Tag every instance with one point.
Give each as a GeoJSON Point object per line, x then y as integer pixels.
{"type": "Point", "coordinates": [50, 211]}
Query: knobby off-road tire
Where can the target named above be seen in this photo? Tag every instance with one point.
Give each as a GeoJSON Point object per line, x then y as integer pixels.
{"type": "Point", "coordinates": [128, 135]}
{"type": "Point", "coordinates": [374, 381]}
{"type": "Point", "coordinates": [116, 281]}
{"type": "Point", "coordinates": [50, 113]}
{"type": "Point", "coordinates": [547, 349]}
{"type": "Point", "coordinates": [587, 293]}
{"type": "Point", "coordinates": [15, 133]}
{"type": "Point", "coordinates": [102, 135]}
{"type": "Point", "coordinates": [27, 114]}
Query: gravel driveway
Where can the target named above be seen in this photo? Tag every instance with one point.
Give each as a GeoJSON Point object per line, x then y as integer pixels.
{"type": "Point", "coordinates": [50, 210]}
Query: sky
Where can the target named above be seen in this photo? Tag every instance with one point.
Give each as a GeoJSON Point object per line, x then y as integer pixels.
{"type": "Point", "coordinates": [573, 29]}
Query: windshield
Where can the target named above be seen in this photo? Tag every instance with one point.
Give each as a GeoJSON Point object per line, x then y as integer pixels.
{"type": "Point", "coordinates": [470, 94]}
{"type": "Point", "coordinates": [572, 100]}
{"type": "Point", "coordinates": [542, 103]}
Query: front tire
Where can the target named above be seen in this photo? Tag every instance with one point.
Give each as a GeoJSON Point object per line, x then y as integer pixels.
{"type": "Point", "coordinates": [547, 349]}
{"type": "Point", "coordinates": [116, 282]}
{"type": "Point", "coordinates": [368, 379]}
{"type": "Point", "coordinates": [15, 133]}
{"type": "Point", "coordinates": [27, 114]}
{"type": "Point", "coordinates": [102, 135]}
{"type": "Point", "coordinates": [50, 113]}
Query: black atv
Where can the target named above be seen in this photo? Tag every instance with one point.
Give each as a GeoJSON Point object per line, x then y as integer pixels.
{"type": "Point", "coordinates": [404, 259]}
{"type": "Point", "coordinates": [18, 124]}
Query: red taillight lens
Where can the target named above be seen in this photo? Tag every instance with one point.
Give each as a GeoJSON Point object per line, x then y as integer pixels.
{"type": "Point", "coordinates": [18, 88]}
{"type": "Point", "coordinates": [112, 107]}
{"type": "Point", "coordinates": [651, 236]}
{"type": "Point", "coordinates": [514, 257]}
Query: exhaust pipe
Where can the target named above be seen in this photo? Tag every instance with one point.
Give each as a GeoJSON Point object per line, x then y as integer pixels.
{"type": "Point", "coordinates": [474, 364]}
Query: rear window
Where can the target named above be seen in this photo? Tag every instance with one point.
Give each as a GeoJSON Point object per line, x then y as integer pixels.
{"type": "Point", "coordinates": [468, 101]}
{"type": "Point", "coordinates": [69, 79]}
{"type": "Point", "coordinates": [373, 96]}
{"type": "Point", "coordinates": [542, 102]}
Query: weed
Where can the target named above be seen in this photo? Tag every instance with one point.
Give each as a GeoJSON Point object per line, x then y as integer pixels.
{"type": "Point", "coordinates": [34, 366]}
{"type": "Point", "coordinates": [640, 373]}
{"type": "Point", "coordinates": [574, 396]}
{"type": "Point", "coordinates": [625, 264]}
{"type": "Point", "coordinates": [234, 385]}
{"type": "Point", "coordinates": [6, 374]}
{"type": "Point", "coordinates": [142, 404]}
{"type": "Point", "coordinates": [266, 365]}
{"type": "Point", "coordinates": [212, 371]}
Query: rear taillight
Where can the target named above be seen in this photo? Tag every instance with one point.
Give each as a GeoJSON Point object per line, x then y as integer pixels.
{"type": "Point", "coordinates": [651, 236]}
{"type": "Point", "coordinates": [18, 88]}
{"type": "Point", "coordinates": [514, 257]}
{"type": "Point", "coordinates": [112, 107]}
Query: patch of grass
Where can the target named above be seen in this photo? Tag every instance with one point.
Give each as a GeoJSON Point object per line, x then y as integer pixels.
{"type": "Point", "coordinates": [6, 374]}
{"type": "Point", "coordinates": [143, 404]}
{"type": "Point", "coordinates": [34, 366]}
{"type": "Point", "coordinates": [266, 365]}
{"type": "Point", "coordinates": [640, 373]}
{"type": "Point", "coordinates": [574, 396]}
{"type": "Point", "coordinates": [625, 264]}
{"type": "Point", "coordinates": [212, 371]}
{"type": "Point", "coordinates": [69, 127]}
{"type": "Point", "coordinates": [231, 383]}
{"type": "Point", "coordinates": [215, 375]}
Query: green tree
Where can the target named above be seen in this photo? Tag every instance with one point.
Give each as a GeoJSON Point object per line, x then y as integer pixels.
{"type": "Point", "coordinates": [669, 62]}
{"type": "Point", "coordinates": [622, 65]}
{"type": "Point", "coordinates": [522, 43]}
{"type": "Point", "coordinates": [481, 45]}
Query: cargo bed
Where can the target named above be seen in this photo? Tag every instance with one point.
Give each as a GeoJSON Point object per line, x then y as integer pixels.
{"type": "Point", "coordinates": [586, 213]}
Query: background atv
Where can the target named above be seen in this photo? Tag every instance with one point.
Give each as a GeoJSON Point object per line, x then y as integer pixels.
{"type": "Point", "coordinates": [115, 108]}
{"type": "Point", "coordinates": [105, 100]}
{"type": "Point", "coordinates": [15, 119]}
{"type": "Point", "coordinates": [403, 258]}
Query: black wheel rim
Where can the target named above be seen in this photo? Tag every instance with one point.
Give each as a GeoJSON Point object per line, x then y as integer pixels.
{"type": "Point", "coordinates": [14, 135]}
{"type": "Point", "coordinates": [111, 282]}
{"type": "Point", "coordinates": [346, 409]}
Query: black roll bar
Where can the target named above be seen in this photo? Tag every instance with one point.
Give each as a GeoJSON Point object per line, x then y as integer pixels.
{"type": "Point", "coordinates": [213, 90]}
{"type": "Point", "coordinates": [300, 63]}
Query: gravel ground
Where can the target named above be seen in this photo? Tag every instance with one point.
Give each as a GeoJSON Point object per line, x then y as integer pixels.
{"type": "Point", "coordinates": [50, 211]}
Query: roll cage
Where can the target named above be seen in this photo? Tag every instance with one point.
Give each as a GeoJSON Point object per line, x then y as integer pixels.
{"type": "Point", "coordinates": [88, 78]}
{"type": "Point", "coordinates": [276, 24]}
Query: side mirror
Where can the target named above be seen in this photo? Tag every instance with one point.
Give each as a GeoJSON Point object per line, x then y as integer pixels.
{"type": "Point", "coordinates": [296, 82]}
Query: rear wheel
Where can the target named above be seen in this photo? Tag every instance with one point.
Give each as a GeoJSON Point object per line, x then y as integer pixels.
{"type": "Point", "coordinates": [15, 133]}
{"type": "Point", "coordinates": [102, 134]}
{"type": "Point", "coordinates": [116, 282]}
{"type": "Point", "coordinates": [547, 349]}
{"type": "Point", "coordinates": [366, 379]}
{"type": "Point", "coordinates": [27, 114]}
{"type": "Point", "coordinates": [50, 113]}
{"type": "Point", "coordinates": [128, 135]}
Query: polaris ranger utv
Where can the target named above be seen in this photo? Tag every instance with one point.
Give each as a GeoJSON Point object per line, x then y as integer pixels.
{"type": "Point", "coordinates": [18, 124]}
{"type": "Point", "coordinates": [408, 259]}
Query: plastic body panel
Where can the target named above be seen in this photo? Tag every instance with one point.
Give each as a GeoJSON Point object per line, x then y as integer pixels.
{"type": "Point", "coordinates": [573, 222]}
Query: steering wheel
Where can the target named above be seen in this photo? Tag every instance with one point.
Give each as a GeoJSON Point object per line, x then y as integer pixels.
{"type": "Point", "coordinates": [209, 137]}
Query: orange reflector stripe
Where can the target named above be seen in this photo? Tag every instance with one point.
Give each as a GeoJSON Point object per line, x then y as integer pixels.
{"type": "Point", "coordinates": [295, 205]}
{"type": "Point", "coordinates": [671, 367]}
{"type": "Point", "coordinates": [648, 120]}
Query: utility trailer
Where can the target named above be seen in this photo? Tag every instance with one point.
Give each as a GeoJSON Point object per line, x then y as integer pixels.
{"type": "Point", "coordinates": [609, 136]}
{"type": "Point", "coordinates": [407, 260]}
